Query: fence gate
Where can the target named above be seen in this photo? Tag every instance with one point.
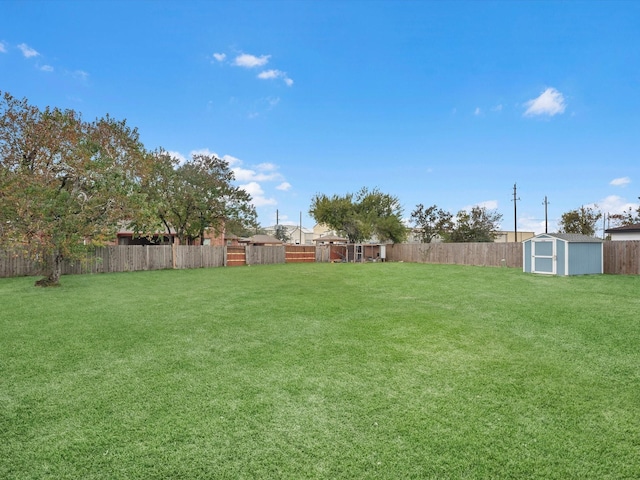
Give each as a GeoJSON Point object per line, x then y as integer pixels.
{"type": "Point", "coordinates": [236, 256]}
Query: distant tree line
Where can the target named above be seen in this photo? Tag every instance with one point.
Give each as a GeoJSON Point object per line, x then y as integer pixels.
{"type": "Point", "coordinates": [372, 213]}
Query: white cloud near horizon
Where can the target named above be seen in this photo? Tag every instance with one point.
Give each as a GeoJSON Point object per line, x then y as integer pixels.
{"type": "Point", "coordinates": [284, 186]}
{"type": "Point", "coordinates": [529, 224]}
{"type": "Point", "coordinates": [550, 102]}
{"type": "Point", "coordinates": [620, 182]}
{"type": "Point", "coordinates": [257, 195]}
{"type": "Point", "coordinates": [27, 51]}
{"type": "Point", "coordinates": [613, 204]}
{"type": "Point", "coordinates": [488, 204]}
{"type": "Point", "coordinates": [251, 61]}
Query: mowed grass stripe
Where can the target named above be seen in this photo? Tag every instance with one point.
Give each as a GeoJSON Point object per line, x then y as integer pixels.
{"type": "Point", "coordinates": [321, 371]}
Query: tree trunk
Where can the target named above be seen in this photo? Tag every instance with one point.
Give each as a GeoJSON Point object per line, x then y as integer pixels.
{"type": "Point", "coordinates": [53, 279]}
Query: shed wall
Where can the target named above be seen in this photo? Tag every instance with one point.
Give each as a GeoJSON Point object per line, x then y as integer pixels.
{"type": "Point", "coordinates": [526, 257]}
{"type": "Point", "coordinates": [585, 258]}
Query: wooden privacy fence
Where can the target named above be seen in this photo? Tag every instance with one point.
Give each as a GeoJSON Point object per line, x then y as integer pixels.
{"type": "Point", "coordinates": [622, 258]}
{"type": "Point", "coordinates": [482, 254]}
{"type": "Point", "coordinates": [618, 257]}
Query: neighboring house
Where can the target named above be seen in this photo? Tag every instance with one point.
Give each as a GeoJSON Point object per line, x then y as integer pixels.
{"type": "Point", "coordinates": [321, 230]}
{"type": "Point", "coordinates": [628, 232]}
{"type": "Point", "coordinates": [262, 240]}
{"type": "Point", "coordinates": [231, 240]}
{"type": "Point", "coordinates": [510, 236]}
{"type": "Point", "coordinates": [295, 234]}
{"type": "Point", "coordinates": [330, 240]}
{"type": "Point", "coordinates": [300, 236]}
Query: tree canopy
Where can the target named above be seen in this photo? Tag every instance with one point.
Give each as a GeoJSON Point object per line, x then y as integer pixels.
{"type": "Point", "coordinates": [477, 225]}
{"type": "Point", "coordinates": [361, 216]}
{"type": "Point", "coordinates": [628, 217]}
{"type": "Point", "coordinates": [582, 220]}
{"type": "Point", "coordinates": [431, 222]}
{"type": "Point", "coordinates": [64, 181]}
{"type": "Point", "coordinates": [194, 197]}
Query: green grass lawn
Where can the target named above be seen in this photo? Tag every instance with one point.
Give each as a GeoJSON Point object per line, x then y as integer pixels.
{"type": "Point", "coordinates": [389, 370]}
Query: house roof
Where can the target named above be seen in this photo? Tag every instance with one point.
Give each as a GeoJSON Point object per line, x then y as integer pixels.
{"type": "Point", "coordinates": [330, 238]}
{"type": "Point", "coordinates": [574, 237]}
{"type": "Point", "coordinates": [627, 228]}
{"type": "Point", "coordinates": [264, 240]}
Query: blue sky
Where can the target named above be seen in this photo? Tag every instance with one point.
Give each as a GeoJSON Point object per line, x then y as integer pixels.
{"type": "Point", "coordinates": [446, 103]}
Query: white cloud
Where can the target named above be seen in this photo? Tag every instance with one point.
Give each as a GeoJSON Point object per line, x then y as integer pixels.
{"type": "Point", "coordinates": [248, 175]}
{"type": "Point", "coordinates": [251, 61]}
{"type": "Point", "coordinates": [497, 108]}
{"type": "Point", "coordinates": [530, 224]}
{"type": "Point", "coordinates": [257, 194]}
{"type": "Point", "coordinates": [231, 160]}
{"type": "Point", "coordinates": [550, 102]}
{"type": "Point", "coordinates": [27, 51]}
{"type": "Point", "coordinates": [220, 57]}
{"type": "Point", "coordinates": [275, 74]}
{"type": "Point", "coordinates": [614, 204]}
{"type": "Point", "coordinates": [181, 158]}
{"type": "Point", "coordinates": [284, 186]}
{"type": "Point", "coordinates": [488, 204]}
{"type": "Point", "coordinates": [203, 151]}
{"type": "Point", "coordinates": [80, 75]}
{"type": "Point", "coordinates": [3, 47]}
{"type": "Point", "coordinates": [46, 68]}
{"type": "Point", "coordinates": [620, 182]}
{"type": "Point", "coordinates": [477, 111]}
{"type": "Point", "coordinates": [266, 166]}
{"type": "Point", "coordinates": [269, 74]}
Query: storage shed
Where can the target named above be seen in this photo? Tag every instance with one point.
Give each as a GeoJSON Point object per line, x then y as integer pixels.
{"type": "Point", "coordinates": [562, 254]}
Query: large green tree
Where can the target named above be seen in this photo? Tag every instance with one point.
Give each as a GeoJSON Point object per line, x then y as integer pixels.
{"type": "Point", "coordinates": [431, 222]}
{"type": "Point", "coordinates": [362, 215]}
{"type": "Point", "coordinates": [582, 220]}
{"type": "Point", "coordinates": [64, 182]}
{"type": "Point", "coordinates": [197, 196]}
{"type": "Point", "coordinates": [477, 225]}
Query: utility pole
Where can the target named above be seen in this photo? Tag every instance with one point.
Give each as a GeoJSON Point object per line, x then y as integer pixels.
{"type": "Point", "coordinates": [545, 203]}
{"type": "Point", "coordinates": [515, 212]}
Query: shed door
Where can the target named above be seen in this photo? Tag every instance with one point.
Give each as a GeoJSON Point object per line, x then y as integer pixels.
{"type": "Point", "coordinates": [543, 254]}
